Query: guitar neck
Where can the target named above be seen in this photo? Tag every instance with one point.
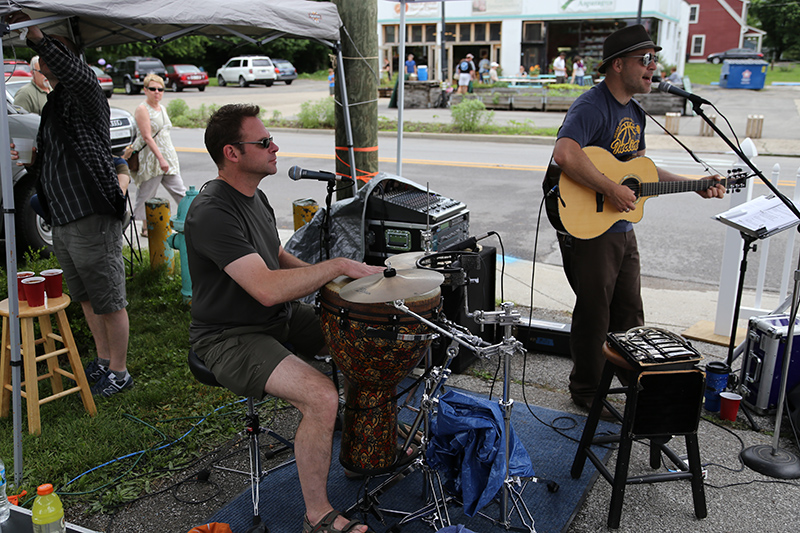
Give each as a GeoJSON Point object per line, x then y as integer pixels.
{"type": "Point", "coordinates": [668, 187]}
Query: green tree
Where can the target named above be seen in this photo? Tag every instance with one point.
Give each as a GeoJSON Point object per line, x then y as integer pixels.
{"type": "Point", "coordinates": [780, 19]}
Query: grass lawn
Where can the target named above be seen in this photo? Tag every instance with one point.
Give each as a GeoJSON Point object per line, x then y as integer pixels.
{"type": "Point", "coordinates": [705, 73]}
{"type": "Point", "coordinates": [152, 431]}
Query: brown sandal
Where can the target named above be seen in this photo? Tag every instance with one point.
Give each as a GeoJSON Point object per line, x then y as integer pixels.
{"type": "Point", "coordinates": [326, 524]}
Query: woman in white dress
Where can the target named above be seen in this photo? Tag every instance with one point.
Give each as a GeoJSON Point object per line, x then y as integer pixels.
{"type": "Point", "coordinates": [158, 160]}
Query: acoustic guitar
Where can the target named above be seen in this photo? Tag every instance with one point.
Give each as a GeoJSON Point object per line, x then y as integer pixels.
{"type": "Point", "coordinates": [583, 212]}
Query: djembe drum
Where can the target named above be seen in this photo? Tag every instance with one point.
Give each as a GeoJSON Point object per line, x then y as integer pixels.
{"type": "Point", "coordinates": [375, 346]}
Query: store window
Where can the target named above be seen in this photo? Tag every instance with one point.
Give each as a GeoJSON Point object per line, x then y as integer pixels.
{"type": "Point", "coordinates": [390, 34]}
{"type": "Point", "coordinates": [416, 34]}
{"type": "Point", "coordinates": [698, 45]}
{"type": "Point", "coordinates": [480, 32]}
{"type": "Point", "coordinates": [533, 32]}
{"type": "Point", "coordinates": [430, 33]}
{"type": "Point", "coordinates": [495, 31]}
{"type": "Point", "coordinates": [450, 32]}
{"type": "Point", "coordinates": [465, 33]}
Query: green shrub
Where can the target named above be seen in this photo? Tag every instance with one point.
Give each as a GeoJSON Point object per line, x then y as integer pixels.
{"type": "Point", "coordinates": [319, 114]}
{"type": "Point", "coordinates": [190, 118]}
{"type": "Point", "coordinates": [177, 108]}
{"type": "Point", "coordinates": [470, 115]}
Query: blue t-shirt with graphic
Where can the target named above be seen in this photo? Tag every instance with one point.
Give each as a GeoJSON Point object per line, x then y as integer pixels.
{"type": "Point", "coordinates": [598, 119]}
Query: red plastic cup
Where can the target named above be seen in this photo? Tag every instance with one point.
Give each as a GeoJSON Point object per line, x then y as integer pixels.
{"type": "Point", "coordinates": [21, 288]}
{"type": "Point", "coordinates": [729, 405]}
{"type": "Point", "coordinates": [52, 282]}
{"type": "Point", "coordinates": [34, 290]}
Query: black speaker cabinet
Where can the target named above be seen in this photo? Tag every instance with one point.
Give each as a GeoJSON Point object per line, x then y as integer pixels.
{"type": "Point", "coordinates": [480, 295]}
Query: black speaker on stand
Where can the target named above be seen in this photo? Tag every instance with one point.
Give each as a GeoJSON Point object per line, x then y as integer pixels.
{"type": "Point", "coordinates": [480, 295]}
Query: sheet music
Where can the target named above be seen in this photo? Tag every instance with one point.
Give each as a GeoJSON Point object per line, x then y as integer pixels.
{"type": "Point", "coordinates": [761, 217]}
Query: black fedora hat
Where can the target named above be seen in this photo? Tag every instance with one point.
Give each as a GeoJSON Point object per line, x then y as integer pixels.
{"type": "Point", "coordinates": [623, 41]}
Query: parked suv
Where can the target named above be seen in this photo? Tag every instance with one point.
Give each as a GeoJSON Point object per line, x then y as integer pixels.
{"type": "Point", "coordinates": [245, 70]}
{"type": "Point", "coordinates": [129, 73]}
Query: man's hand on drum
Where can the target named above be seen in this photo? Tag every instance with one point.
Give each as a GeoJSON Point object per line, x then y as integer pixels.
{"type": "Point", "coordinates": [356, 270]}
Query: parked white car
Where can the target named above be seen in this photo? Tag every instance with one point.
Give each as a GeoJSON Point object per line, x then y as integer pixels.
{"type": "Point", "coordinates": [245, 70]}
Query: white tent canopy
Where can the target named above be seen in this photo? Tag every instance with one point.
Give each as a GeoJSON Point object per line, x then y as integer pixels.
{"type": "Point", "coordinates": [103, 22]}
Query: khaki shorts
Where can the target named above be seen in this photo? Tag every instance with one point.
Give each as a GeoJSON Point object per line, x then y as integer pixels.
{"type": "Point", "coordinates": [89, 251]}
{"type": "Point", "coordinates": [242, 359]}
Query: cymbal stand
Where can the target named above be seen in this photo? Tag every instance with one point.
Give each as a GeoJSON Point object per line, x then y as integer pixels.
{"type": "Point", "coordinates": [513, 486]}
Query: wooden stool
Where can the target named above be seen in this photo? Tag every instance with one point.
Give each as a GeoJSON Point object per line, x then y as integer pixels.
{"type": "Point", "coordinates": [660, 403]}
{"type": "Point", "coordinates": [28, 343]}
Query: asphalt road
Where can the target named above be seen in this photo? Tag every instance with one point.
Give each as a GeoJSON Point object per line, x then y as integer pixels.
{"type": "Point", "coordinates": [501, 185]}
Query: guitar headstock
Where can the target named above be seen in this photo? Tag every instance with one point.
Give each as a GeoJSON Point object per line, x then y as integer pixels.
{"type": "Point", "coordinates": [736, 181]}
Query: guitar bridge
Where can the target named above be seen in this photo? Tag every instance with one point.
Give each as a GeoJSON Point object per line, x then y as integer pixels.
{"type": "Point", "coordinates": [600, 201]}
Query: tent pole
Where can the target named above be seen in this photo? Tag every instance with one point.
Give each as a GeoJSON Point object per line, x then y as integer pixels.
{"type": "Point", "coordinates": [401, 82]}
{"type": "Point", "coordinates": [13, 297]}
{"type": "Point", "coordinates": [348, 127]}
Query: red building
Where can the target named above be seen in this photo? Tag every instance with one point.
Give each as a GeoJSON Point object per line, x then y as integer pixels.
{"type": "Point", "coordinates": [718, 25]}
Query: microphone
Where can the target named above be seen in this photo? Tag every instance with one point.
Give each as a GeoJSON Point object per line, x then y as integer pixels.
{"type": "Point", "coordinates": [297, 173]}
{"type": "Point", "coordinates": [667, 87]}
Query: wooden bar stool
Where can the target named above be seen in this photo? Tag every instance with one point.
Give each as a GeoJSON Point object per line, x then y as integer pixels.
{"type": "Point", "coordinates": [660, 402]}
{"type": "Point", "coordinates": [28, 344]}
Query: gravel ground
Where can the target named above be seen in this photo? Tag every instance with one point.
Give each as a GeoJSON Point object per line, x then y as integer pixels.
{"type": "Point", "coordinates": [751, 502]}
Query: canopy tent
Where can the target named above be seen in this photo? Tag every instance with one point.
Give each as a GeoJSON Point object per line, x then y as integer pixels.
{"type": "Point", "coordinates": [100, 22]}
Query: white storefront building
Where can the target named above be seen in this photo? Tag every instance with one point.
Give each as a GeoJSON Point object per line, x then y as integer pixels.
{"type": "Point", "coordinates": [526, 32]}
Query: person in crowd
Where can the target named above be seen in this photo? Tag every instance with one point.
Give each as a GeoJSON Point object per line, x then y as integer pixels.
{"type": "Point", "coordinates": [82, 199]}
{"type": "Point", "coordinates": [522, 72]}
{"type": "Point", "coordinates": [465, 70]}
{"type": "Point", "coordinates": [659, 71]}
{"type": "Point", "coordinates": [560, 67]}
{"type": "Point", "coordinates": [411, 66]}
{"type": "Point", "coordinates": [158, 160]}
{"type": "Point", "coordinates": [244, 308]}
{"type": "Point", "coordinates": [578, 70]}
{"type": "Point", "coordinates": [331, 82]}
{"type": "Point", "coordinates": [483, 67]}
{"type": "Point", "coordinates": [674, 78]}
{"type": "Point", "coordinates": [604, 272]}
{"type": "Point", "coordinates": [493, 78]}
{"type": "Point", "coordinates": [33, 96]}
{"type": "Point", "coordinates": [387, 68]}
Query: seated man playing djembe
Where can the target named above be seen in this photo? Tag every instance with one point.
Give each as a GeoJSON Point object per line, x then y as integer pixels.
{"type": "Point", "coordinates": [243, 311]}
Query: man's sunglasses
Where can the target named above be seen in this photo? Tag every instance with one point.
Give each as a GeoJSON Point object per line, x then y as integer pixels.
{"type": "Point", "coordinates": [159, 89]}
{"type": "Point", "coordinates": [647, 59]}
{"type": "Point", "coordinates": [266, 142]}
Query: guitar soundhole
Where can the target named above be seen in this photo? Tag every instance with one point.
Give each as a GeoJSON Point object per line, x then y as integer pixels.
{"type": "Point", "coordinates": [633, 184]}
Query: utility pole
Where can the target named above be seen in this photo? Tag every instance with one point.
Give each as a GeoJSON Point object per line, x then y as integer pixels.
{"type": "Point", "coordinates": [359, 38]}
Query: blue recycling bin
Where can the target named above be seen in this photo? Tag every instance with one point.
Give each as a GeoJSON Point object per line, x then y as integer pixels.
{"type": "Point", "coordinates": [422, 73]}
{"type": "Point", "coordinates": [743, 74]}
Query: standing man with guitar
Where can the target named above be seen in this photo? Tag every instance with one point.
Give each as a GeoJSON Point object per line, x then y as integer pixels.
{"type": "Point", "coordinates": [604, 270]}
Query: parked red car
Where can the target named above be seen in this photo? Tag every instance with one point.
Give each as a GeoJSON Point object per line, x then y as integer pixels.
{"type": "Point", "coordinates": [182, 76]}
{"type": "Point", "coordinates": [17, 67]}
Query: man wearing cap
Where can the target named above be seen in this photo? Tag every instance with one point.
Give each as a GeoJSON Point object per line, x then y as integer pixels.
{"type": "Point", "coordinates": [604, 272]}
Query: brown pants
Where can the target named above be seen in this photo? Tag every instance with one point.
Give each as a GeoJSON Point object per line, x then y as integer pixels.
{"type": "Point", "coordinates": [604, 273]}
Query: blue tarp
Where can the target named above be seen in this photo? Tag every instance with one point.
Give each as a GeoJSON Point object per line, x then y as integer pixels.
{"type": "Point", "coordinates": [468, 447]}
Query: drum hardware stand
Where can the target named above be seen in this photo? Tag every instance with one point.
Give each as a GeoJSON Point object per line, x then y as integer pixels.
{"type": "Point", "coordinates": [506, 317]}
{"type": "Point", "coordinates": [434, 512]}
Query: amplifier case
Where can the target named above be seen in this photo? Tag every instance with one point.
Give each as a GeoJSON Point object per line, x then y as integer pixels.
{"type": "Point", "coordinates": [541, 336]}
{"type": "Point", "coordinates": [763, 362]}
{"type": "Point", "coordinates": [388, 237]}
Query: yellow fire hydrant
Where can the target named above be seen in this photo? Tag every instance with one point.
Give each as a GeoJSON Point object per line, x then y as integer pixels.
{"type": "Point", "coordinates": [157, 210]}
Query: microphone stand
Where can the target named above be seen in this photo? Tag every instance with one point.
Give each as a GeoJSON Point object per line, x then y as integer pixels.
{"type": "Point", "coordinates": [769, 460]}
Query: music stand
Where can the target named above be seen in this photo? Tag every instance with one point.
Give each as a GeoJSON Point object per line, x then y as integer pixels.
{"type": "Point", "coordinates": [759, 219]}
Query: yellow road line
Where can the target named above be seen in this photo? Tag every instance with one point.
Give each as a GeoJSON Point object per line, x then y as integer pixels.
{"type": "Point", "coordinates": [459, 164]}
